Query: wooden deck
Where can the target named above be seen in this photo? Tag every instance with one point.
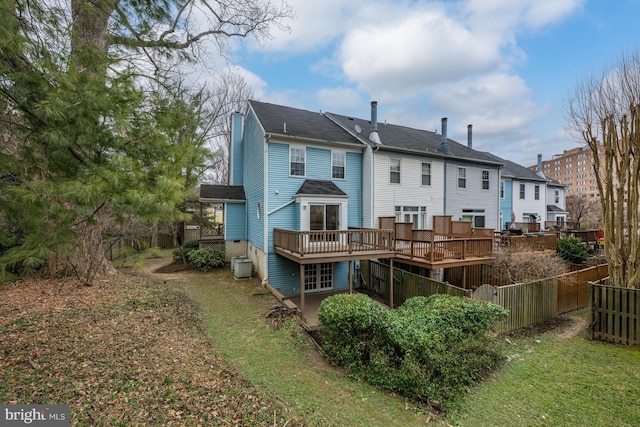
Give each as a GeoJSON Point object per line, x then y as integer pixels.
{"type": "Point", "coordinates": [309, 316]}
{"type": "Point", "coordinates": [312, 247]}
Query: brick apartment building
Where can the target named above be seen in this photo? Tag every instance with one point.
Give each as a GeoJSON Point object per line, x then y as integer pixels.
{"type": "Point", "coordinates": [573, 168]}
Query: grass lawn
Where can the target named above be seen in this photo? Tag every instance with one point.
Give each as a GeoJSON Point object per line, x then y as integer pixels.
{"type": "Point", "coordinates": [138, 352]}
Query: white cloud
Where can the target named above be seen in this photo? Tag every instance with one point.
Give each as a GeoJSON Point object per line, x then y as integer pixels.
{"type": "Point", "coordinates": [421, 50]}
{"type": "Point", "coordinates": [423, 60]}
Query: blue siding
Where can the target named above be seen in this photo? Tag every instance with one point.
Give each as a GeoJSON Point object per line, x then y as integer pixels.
{"type": "Point", "coordinates": [236, 222]}
{"type": "Point", "coordinates": [253, 179]}
{"type": "Point", "coordinates": [506, 204]}
{"type": "Point", "coordinates": [284, 275]}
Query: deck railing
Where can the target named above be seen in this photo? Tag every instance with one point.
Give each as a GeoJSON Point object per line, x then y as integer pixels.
{"type": "Point", "coordinates": [361, 240]}
{"type": "Point", "coordinates": [333, 241]}
{"type": "Point", "coordinates": [527, 242]}
{"type": "Point", "coordinates": [446, 249]}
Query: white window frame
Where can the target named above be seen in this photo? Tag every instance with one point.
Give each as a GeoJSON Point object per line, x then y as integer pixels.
{"type": "Point", "coordinates": [303, 150]}
{"type": "Point", "coordinates": [424, 175]}
{"type": "Point", "coordinates": [523, 191]}
{"type": "Point", "coordinates": [462, 177]}
{"type": "Point", "coordinates": [414, 214]}
{"type": "Point", "coordinates": [502, 189]}
{"type": "Point", "coordinates": [557, 196]}
{"type": "Point", "coordinates": [392, 172]}
{"type": "Point", "coordinates": [341, 156]}
{"type": "Point", "coordinates": [472, 214]}
{"type": "Point", "coordinates": [536, 192]}
{"type": "Point", "coordinates": [485, 180]}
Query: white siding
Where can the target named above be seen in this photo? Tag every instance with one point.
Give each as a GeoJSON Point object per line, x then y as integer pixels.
{"type": "Point", "coordinates": [410, 191]}
{"type": "Point", "coordinates": [473, 196]}
{"type": "Point", "coordinates": [529, 204]}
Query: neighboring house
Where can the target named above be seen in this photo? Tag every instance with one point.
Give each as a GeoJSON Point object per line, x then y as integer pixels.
{"type": "Point", "coordinates": [414, 174]}
{"type": "Point", "coordinates": [316, 187]}
{"type": "Point", "coordinates": [523, 196]}
{"type": "Point", "coordinates": [556, 205]}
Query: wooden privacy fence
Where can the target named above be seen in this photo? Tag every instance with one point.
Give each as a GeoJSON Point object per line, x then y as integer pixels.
{"type": "Point", "coordinates": [406, 285]}
{"type": "Point", "coordinates": [615, 314]}
{"type": "Point", "coordinates": [528, 303]}
{"type": "Point", "coordinates": [573, 292]}
{"type": "Point", "coordinates": [117, 247]}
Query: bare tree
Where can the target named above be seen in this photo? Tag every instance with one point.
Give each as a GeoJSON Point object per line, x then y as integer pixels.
{"type": "Point", "coordinates": [605, 112]}
{"type": "Point", "coordinates": [578, 206]}
{"type": "Point", "coordinates": [230, 95]}
{"type": "Point", "coordinates": [519, 267]}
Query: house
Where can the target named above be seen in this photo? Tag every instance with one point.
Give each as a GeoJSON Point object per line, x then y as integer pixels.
{"type": "Point", "coordinates": [319, 194]}
{"type": "Point", "coordinates": [414, 175]}
{"type": "Point", "coordinates": [556, 205]}
{"type": "Point", "coordinates": [523, 197]}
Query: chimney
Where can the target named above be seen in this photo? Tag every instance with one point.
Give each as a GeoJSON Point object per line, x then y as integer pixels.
{"type": "Point", "coordinates": [373, 136]}
{"type": "Point", "coordinates": [539, 167]}
{"type": "Point", "coordinates": [469, 132]}
{"type": "Point", "coordinates": [444, 144]}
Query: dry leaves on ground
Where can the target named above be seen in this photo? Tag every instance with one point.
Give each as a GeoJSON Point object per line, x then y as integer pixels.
{"type": "Point", "coordinates": [124, 351]}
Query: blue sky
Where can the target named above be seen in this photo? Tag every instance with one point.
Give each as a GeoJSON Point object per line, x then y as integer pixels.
{"type": "Point", "coordinates": [505, 66]}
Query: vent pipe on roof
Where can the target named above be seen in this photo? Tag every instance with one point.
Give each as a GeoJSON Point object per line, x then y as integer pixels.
{"type": "Point", "coordinates": [444, 144]}
{"type": "Point", "coordinates": [469, 139]}
{"type": "Point", "coordinates": [539, 167]}
{"type": "Point", "coordinates": [373, 136]}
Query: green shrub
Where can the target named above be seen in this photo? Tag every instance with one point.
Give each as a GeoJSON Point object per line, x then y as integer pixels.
{"type": "Point", "coordinates": [572, 250]}
{"type": "Point", "coordinates": [181, 254]}
{"type": "Point", "coordinates": [350, 328]}
{"type": "Point", "coordinates": [206, 259]}
{"type": "Point", "coordinates": [429, 348]}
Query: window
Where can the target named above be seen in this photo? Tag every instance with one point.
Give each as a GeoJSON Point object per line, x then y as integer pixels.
{"type": "Point", "coordinates": [324, 217]}
{"type": "Point", "coordinates": [485, 179]}
{"type": "Point", "coordinates": [462, 178]}
{"type": "Point", "coordinates": [502, 189]}
{"type": "Point", "coordinates": [521, 191]}
{"type": "Point", "coordinates": [318, 277]}
{"type": "Point", "coordinates": [297, 158]}
{"type": "Point", "coordinates": [426, 173]}
{"type": "Point", "coordinates": [557, 196]}
{"type": "Point", "coordinates": [474, 216]}
{"type": "Point", "coordinates": [394, 171]}
{"type": "Point", "coordinates": [536, 192]}
{"type": "Point", "coordinates": [337, 165]}
{"type": "Point", "coordinates": [417, 215]}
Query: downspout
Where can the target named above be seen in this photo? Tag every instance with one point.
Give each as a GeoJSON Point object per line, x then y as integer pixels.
{"type": "Point", "coordinates": [266, 217]}
{"type": "Point", "coordinates": [444, 199]}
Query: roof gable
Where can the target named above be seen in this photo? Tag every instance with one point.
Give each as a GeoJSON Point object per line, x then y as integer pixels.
{"type": "Point", "coordinates": [294, 122]}
{"type": "Point", "coordinates": [318, 187]}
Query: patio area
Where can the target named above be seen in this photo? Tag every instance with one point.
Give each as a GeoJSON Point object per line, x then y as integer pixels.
{"type": "Point", "coordinates": [309, 316]}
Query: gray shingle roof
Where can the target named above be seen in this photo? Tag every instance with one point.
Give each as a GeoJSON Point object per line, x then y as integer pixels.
{"type": "Point", "coordinates": [514, 170]}
{"type": "Point", "coordinates": [222, 192]}
{"type": "Point", "coordinates": [317, 187]}
{"type": "Point", "coordinates": [299, 123]}
{"type": "Point", "coordinates": [554, 208]}
{"type": "Point", "coordinates": [410, 139]}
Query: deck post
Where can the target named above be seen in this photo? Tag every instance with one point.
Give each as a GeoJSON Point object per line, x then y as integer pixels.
{"type": "Point", "coordinates": [350, 276]}
{"type": "Point", "coordinates": [302, 290]}
{"type": "Point", "coordinates": [391, 283]}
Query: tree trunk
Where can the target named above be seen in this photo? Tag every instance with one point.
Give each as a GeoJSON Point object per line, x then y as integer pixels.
{"type": "Point", "coordinates": [86, 261]}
